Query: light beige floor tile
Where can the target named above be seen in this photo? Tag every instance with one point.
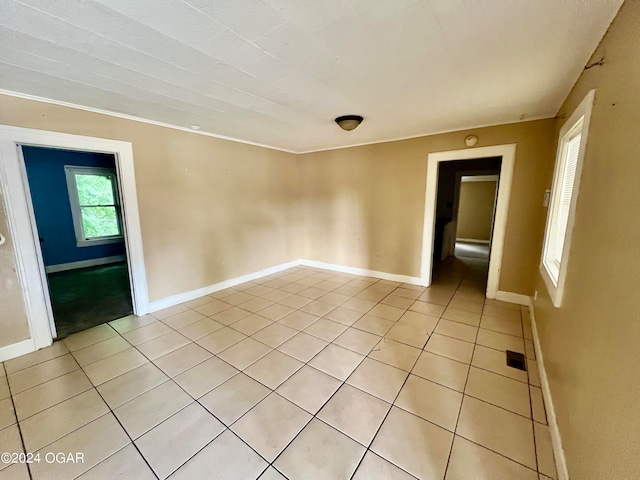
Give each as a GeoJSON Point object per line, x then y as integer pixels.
{"type": "Point", "coordinates": [500, 311]}
{"type": "Point", "coordinates": [227, 457]}
{"type": "Point", "coordinates": [408, 334]}
{"type": "Point", "coordinates": [344, 316]}
{"type": "Point", "coordinates": [244, 353]}
{"type": "Point", "coordinates": [55, 422]}
{"type": "Point", "coordinates": [496, 361]}
{"type": "Point", "coordinates": [466, 306]}
{"type": "Point", "coordinates": [216, 306]}
{"type": "Point", "coordinates": [220, 340]}
{"type": "Point", "coordinates": [499, 390]}
{"type": "Point", "coordinates": [299, 320]}
{"type": "Point", "coordinates": [259, 290]}
{"type": "Point", "coordinates": [41, 372]}
{"type": "Point", "coordinates": [230, 315]}
{"type": "Point", "coordinates": [295, 301]}
{"type": "Point", "coordinates": [271, 425]}
{"type": "Point", "coordinates": [7, 413]}
{"type": "Point", "coordinates": [98, 351]}
{"type": "Point", "coordinates": [379, 379]}
{"type": "Point", "coordinates": [371, 295]}
{"type": "Point", "coordinates": [234, 398]}
{"type": "Point", "coordinates": [146, 333]}
{"type": "Point", "coordinates": [127, 324]}
{"type": "Point", "coordinates": [302, 347]}
{"type": "Point", "coordinates": [273, 369]}
{"type": "Point", "coordinates": [469, 460]}
{"type": "Point", "coordinates": [457, 330]}
{"type": "Point", "coordinates": [376, 325]}
{"type": "Point", "coordinates": [163, 345]}
{"type": "Point", "coordinates": [50, 393]}
{"type": "Point", "coordinates": [419, 320]}
{"type": "Point", "coordinates": [397, 301]}
{"type": "Point", "coordinates": [17, 471]}
{"type": "Point", "coordinates": [251, 324]}
{"type": "Point", "coordinates": [348, 290]}
{"type": "Point", "coordinates": [395, 354]}
{"type": "Point", "coordinates": [322, 453]}
{"type": "Point", "coordinates": [462, 316]}
{"type": "Point", "coordinates": [256, 304]}
{"type": "Point", "coordinates": [409, 292]}
{"type": "Point", "coordinates": [427, 308]}
{"type": "Point", "coordinates": [151, 408]}
{"type": "Point", "coordinates": [293, 287]}
{"type": "Point", "coordinates": [126, 463]}
{"type": "Point", "coordinates": [334, 298]}
{"type": "Point", "coordinates": [220, 294]}
{"type": "Point", "coordinates": [113, 366]}
{"type": "Point", "coordinates": [326, 330]}
{"type": "Point", "coordinates": [336, 361]}
{"type": "Point", "coordinates": [111, 439]}
{"type": "Point", "coordinates": [387, 312]}
{"type": "Point", "coordinates": [450, 348]}
{"type": "Point", "coordinates": [376, 467]}
{"type": "Point", "coordinates": [435, 297]}
{"type": "Point", "coordinates": [57, 349]}
{"type": "Point", "coordinates": [501, 304]}
{"type": "Point", "coordinates": [433, 402]}
{"type": "Point", "coordinates": [205, 376]}
{"type": "Point", "coordinates": [413, 444]}
{"type": "Point", "coordinates": [182, 359]}
{"type": "Point", "coordinates": [357, 340]}
{"type": "Point", "coordinates": [537, 405]}
{"type": "Point", "coordinates": [198, 302]}
{"type": "Point", "coordinates": [89, 337]}
{"type": "Point", "coordinates": [442, 370]}
{"type": "Point", "coordinates": [10, 442]}
{"type": "Point", "coordinates": [278, 296]}
{"type": "Point", "coordinates": [318, 308]}
{"type": "Point", "coordinates": [170, 444]}
{"type": "Point", "coordinates": [469, 296]}
{"type": "Point", "coordinates": [312, 293]}
{"type": "Point", "coordinates": [309, 388]}
{"type": "Point", "coordinates": [183, 319]}
{"type": "Point", "coordinates": [272, 474]}
{"type": "Point", "coordinates": [501, 325]}
{"type": "Point", "coordinates": [497, 429]}
{"type": "Point", "coordinates": [131, 384]}
{"type": "Point", "coordinates": [4, 387]}
{"type": "Point", "coordinates": [276, 311]}
{"type": "Point", "coordinates": [359, 304]}
{"type": "Point", "coordinates": [544, 450]}
{"type": "Point", "coordinates": [534, 374]}
{"type": "Point", "coordinates": [355, 413]}
{"type": "Point", "coordinates": [200, 329]}
{"type": "Point", "coordinates": [170, 311]}
{"type": "Point", "coordinates": [275, 334]}
{"type": "Point", "coordinates": [499, 341]}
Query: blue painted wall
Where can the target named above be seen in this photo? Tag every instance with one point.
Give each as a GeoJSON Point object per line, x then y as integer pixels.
{"type": "Point", "coordinates": [50, 197]}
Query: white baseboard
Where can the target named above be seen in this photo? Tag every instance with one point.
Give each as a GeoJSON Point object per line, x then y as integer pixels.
{"type": "Point", "coordinates": [94, 262]}
{"type": "Point", "coordinates": [513, 298]}
{"type": "Point", "coordinates": [556, 440]}
{"type": "Point", "coordinates": [17, 349]}
{"type": "Point", "coordinates": [473, 240]}
{"type": "Point", "coordinates": [362, 271]}
{"type": "Point", "coordinates": [216, 287]}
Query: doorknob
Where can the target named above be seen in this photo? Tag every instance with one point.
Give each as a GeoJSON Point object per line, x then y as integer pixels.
{"type": "Point", "coordinates": [2, 239]}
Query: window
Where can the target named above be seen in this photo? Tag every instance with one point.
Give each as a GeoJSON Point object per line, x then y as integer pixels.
{"type": "Point", "coordinates": [93, 194]}
{"type": "Point", "coordinates": [564, 191]}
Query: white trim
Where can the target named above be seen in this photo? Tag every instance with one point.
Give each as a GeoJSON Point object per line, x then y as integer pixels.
{"type": "Point", "coordinates": [363, 271]}
{"type": "Point", "coordinates": [479, 178]}
{"type": "Point", "coordinates": [16, 349]}
{"type": "Point", "coordinates": [556, 439]}
{"type": "Point", "coordinates": [94, 262]}
{"type": "Point", "coordinates": [511, 297]}
{"type": "Point", "coordinates": [51, 101]}
{"type": "Point", "coordinates": [473, 240]}
{"type": "Point", "coordinates": [508, 154]}
{"type": "Point", "coordinates": [216, 287]}
{"type": "Point", "coordinates": [31, 271]}
{"type": "Point", "coordinates": [581, 113]}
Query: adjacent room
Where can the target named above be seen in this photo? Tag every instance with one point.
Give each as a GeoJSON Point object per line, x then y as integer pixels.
{"type": "Point", "coordinates": [359, 240]}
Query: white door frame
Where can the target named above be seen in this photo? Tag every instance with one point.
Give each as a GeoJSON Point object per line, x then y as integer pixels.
{"type": "Point", "coordinates": [508, 154]}
{"type": "Point", "coordinates": [21, 220]}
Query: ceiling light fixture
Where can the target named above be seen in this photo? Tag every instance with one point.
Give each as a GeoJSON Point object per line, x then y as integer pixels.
{"type": "Point", "coordinates": [349, 122]}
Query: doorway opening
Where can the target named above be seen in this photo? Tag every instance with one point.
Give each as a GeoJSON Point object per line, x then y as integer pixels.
{"type": "Point", "coordinates": [76, 205]}
{"type": "Point", "coordinates": [466, 206]}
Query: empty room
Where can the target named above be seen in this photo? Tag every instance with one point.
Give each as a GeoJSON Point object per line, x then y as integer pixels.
{"type": "Point", "coordinates": [306, 240]}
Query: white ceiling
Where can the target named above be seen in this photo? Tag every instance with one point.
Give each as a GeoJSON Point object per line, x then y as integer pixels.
{"type": "Point", "coordinates": [277, 72]}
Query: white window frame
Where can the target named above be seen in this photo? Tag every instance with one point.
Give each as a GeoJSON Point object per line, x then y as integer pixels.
{"type": "Point", "coordinates": [554, 275]}
{"type": "Point", "coordinates": [76, 211]}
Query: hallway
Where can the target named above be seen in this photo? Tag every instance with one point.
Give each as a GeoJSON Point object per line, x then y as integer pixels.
{"type": "Point", "coordinates": [306, 373]}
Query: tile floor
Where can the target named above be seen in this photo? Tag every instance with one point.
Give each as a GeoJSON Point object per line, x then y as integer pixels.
{"type": "Point", "coordinates": [305, 374]}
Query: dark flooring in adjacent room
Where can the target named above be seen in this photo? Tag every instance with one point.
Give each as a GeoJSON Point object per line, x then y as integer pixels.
{"type": "Point", "coordinates": [87, 297]}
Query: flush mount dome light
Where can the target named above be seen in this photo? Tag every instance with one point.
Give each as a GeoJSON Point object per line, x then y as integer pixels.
{"type": "Point", "coordinates": [349, 122]}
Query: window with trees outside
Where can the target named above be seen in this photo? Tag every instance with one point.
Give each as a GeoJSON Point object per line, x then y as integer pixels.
{"type": "Point", "coordinates": [93, 194]}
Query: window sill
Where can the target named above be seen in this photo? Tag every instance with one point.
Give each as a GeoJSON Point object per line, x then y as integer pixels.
{"type": "Point", "coordinates": [555, 290]}
{"type": "Point", "coordinates": [99, 241]}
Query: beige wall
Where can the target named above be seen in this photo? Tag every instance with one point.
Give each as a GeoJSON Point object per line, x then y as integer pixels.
{"type": "Point", "coordinates": [591, 344]}
{"type": "Point", "coordinates": [210, 209]}
{"type": "Point", "coordinates": [475, 210]}
{"type": "Point", "coordinates": [365, 205]}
